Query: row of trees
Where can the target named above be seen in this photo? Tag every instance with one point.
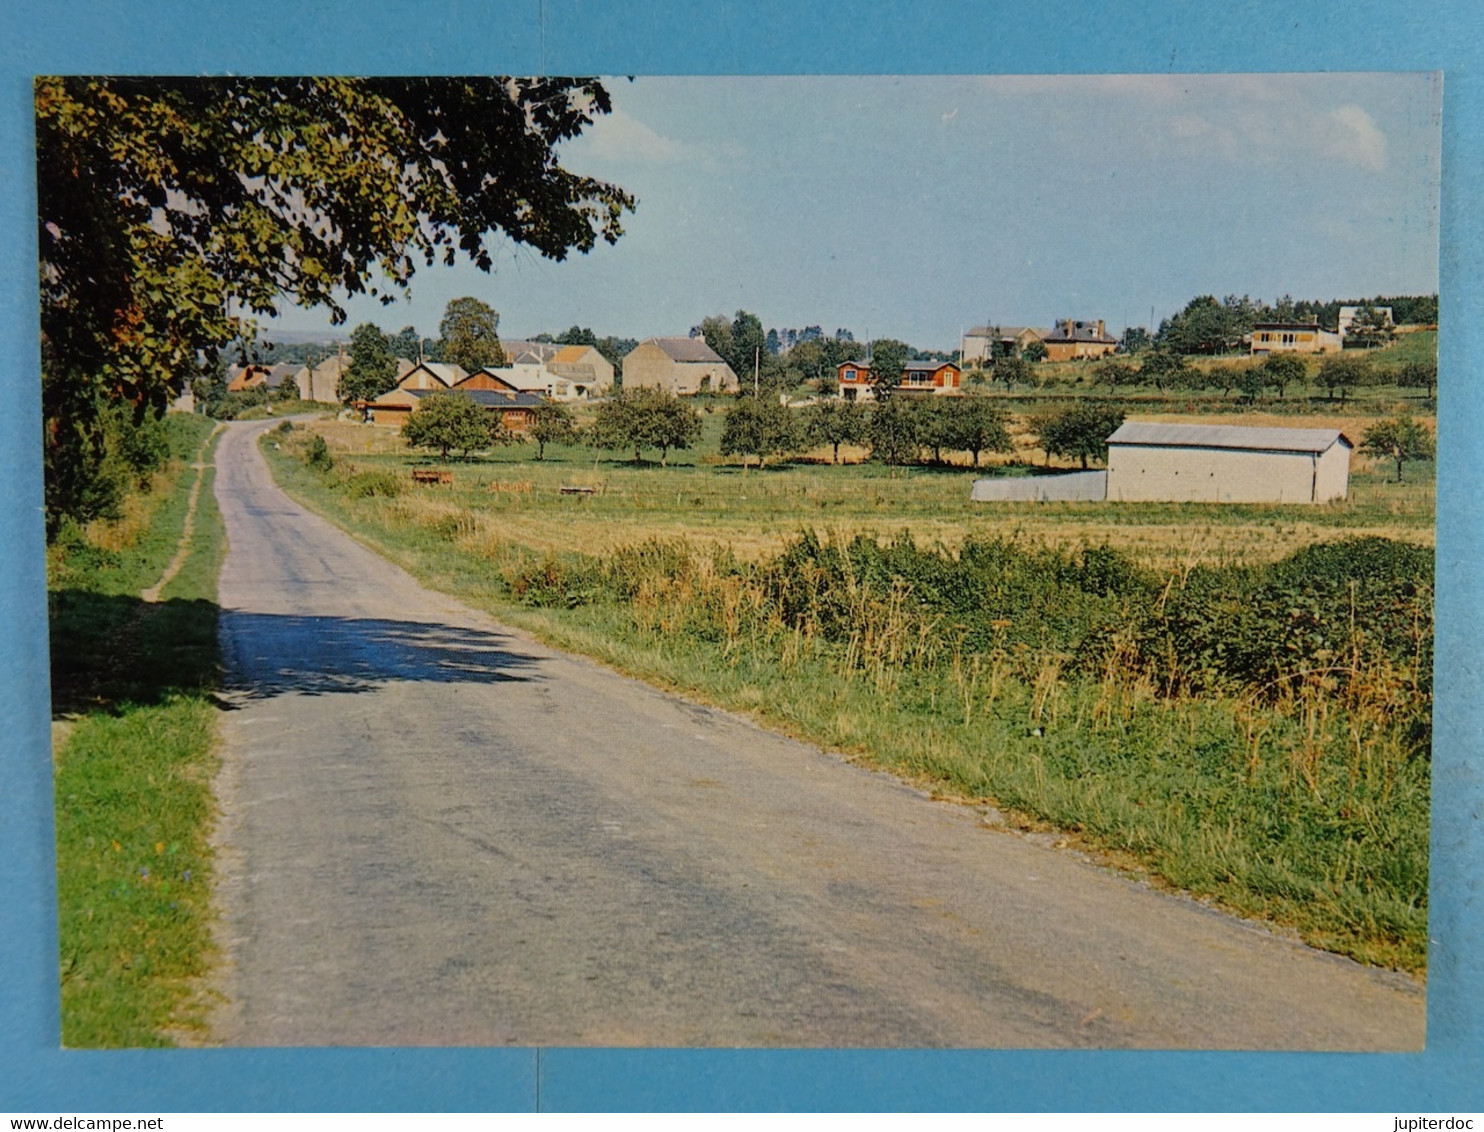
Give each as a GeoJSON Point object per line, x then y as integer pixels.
{"type": "Point", "coordinates": [1338, 374]}
{"type": "Point", "coordinates": [898, 431]}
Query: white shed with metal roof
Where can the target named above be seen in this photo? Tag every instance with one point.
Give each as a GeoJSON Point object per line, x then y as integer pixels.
{"type": "Point", "coordinates": [1188, 463]}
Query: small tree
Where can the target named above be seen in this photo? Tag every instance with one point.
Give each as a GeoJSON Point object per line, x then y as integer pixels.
{"type": "Point", "coordinates": [835, 423]}
{"type": "Point", "coordinates": [645, 418]}
{"type": "Point", "coordinates": [554, 424]}
{"type": "Point", "coordinates": [1163, 368]}
{"type": "Point", "coordinates": [1035, 352]}
{"type": "Point", "coordinates": [1113, 374]}
{"type": "Point", "coordinates": [446, 420]}
{"type": "Point", "coordinates": [1080, 432]}
{"type": "Point", "coordinates": [1400, 439]}
{"type": "Point", "coordinates": [1345, 372]}
{"type": "Point", "coordinates": [894, 431]}
{"type": "Point", "coordinates": [937, 424]}
{"type": "Point", "coordinates": [757, 427]}
{"type": "Point", "coordinates": [1013, 371]}
{"type": "Point", "coordinates": [981, 427]}
{"type": "Point", "coordinates": [1252, 380]}
{"type": "Point", "coordinates": [1418, 375]}
{"type": "Point", "coordinates": [1282, 369]}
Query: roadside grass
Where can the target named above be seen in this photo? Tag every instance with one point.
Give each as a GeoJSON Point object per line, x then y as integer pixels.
{"type": "Point", "coordinates": [1308, 810]}
{"type": "Point", "coordinates": [133, 754]}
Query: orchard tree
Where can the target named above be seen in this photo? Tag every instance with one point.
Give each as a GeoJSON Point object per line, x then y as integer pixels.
{"type": "Point", "coordinates": [1013, 371]}
{"type": "Point", "coordinates": [981, 426]}
{"type": "Point", "coordinates": [834, 423]}
{"type": "Point", "coordinates": [1114, 373]}
{"type": "Point", "coordinates": [1080, 432]}
{"type": "Point", "coordinates": [373, 368]}
{"type": "Point", "coordinates": [1164, 369]}
{"type": "Point", "coordinates": [1345, 372]}
{"type": "Point", "coordinates": [1418, 375]}
{"type": "Point", "coordinates": [554, 424]}
{"type": "Point", "coordinates": [1399, 439]}
{"type": "Point", "coordinates": [1282, 369]}
{"type": "Point", "coordinates": [171, 211]}
{"type": "Point", "coordinates": [448, 419]}
{"type": "Point", "coordinates": [470, 335]}
{"type": "Point", "coordinates": [644, 418]}
{"type": "Point", "coordinates": [937, 419]}
{"type": "Point", "coordinates": [894, 431]}
{"type": "Point", "coordinates": [758, 426]}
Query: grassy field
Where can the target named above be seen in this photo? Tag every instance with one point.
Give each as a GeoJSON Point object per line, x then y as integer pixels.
{"type": "Point", "coordinates": [133, 752]}
{"type": "Point", "coordinates": [699, 496]}
{"type": "Point", "coordinates": [1020, 655]}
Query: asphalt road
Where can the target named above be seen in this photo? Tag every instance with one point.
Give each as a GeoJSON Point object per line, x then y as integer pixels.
{"type": "Point", "coordinates": [436, 831]}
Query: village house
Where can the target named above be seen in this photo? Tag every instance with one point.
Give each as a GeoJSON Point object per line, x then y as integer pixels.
{"type": "Point", "coordinates": [1294, 338]}
{"type": "Point", "coordinates": [584, 368]}
{"type": "Point", "coordinates": [1074, 340]}
{"type": "Point", "coordinates": [926, 377]}
{"type": "Point", "coordinates": [393, 406]}
{"type": "Point", "coordinates": [1189, 463]}
{"type": "Point", "coordinates": [983, 344]}
{"type": "Point", "coordinates": [854, 380]}
{"type": "Point", "coordinates": [322, 382]}
{"type": "Point", "coordinates": [678, 365]}
{"type": "Point", "coordinates": [242, 378]}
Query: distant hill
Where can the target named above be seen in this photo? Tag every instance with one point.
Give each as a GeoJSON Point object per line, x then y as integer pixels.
{"type": "Point", "coordinates": [302, 337]}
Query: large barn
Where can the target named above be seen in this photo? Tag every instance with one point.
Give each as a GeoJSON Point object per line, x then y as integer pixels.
{"type": "Point", "coordinates": [1188, 463]}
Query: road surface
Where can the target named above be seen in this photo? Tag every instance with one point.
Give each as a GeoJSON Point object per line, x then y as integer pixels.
{"type": "Point", "coordinates": [436, 831]}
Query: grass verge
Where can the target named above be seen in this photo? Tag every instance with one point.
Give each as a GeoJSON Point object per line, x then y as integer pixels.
{"type": "Point", "coordinates": [134, 759]}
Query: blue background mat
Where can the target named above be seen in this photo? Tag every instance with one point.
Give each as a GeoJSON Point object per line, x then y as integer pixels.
{"type": "Point", "coordinates": [801, 36]}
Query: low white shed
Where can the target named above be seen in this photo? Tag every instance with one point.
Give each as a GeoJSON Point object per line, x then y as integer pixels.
{"type": "Point", "coordinates": [1188, 463]}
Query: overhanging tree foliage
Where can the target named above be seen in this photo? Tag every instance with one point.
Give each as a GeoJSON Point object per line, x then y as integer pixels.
{"type": "Point", "coordinates": [171, 210]}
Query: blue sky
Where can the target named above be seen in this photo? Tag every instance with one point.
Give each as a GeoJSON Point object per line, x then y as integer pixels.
{"type": "Point", "coordinates": [915, 207]}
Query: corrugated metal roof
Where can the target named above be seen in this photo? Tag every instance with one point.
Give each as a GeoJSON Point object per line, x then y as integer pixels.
{"type": "Point", "coordinates": [1227, 436]}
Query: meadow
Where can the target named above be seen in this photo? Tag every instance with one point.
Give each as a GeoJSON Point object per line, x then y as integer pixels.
{"type": "Point", "coordinates": [1234, 701]}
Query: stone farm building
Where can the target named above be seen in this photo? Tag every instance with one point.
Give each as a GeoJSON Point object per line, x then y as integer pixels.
{"type": "Point", "coordinates": [678, 365]}
{"type": "Point", "coordinates": [1188, 463]}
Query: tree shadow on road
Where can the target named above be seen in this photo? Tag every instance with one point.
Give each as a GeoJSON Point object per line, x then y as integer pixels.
{"type": "Point", "coordinates": [269, 654]}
